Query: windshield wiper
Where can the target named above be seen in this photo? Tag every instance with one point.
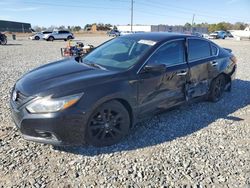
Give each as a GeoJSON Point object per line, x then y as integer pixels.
{"type": "Point", "coordinates": [96, 65]}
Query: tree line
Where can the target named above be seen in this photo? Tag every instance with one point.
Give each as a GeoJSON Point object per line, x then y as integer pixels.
{"type": "Point", "coordinates": [87, 27]}
{"type": "Point", "coordinates": [106, 27]}
{"type": "Point", "coordinates": [220, 26]}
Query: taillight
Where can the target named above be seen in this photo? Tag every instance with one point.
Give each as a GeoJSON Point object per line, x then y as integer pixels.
{"type": "Point", "coordinates": [233, 58]}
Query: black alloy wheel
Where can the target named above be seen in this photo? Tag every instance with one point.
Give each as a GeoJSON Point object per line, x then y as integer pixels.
{"type": "Point", "coordinates": [37, 38]}
{"type": "Point", "coordinates": [217, 88]}
{"type": "Point", "coordinates": [109, 123]}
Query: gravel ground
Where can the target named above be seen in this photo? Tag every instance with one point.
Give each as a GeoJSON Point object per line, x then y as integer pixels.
{"type": "Point", "coordinates": [198, 145]}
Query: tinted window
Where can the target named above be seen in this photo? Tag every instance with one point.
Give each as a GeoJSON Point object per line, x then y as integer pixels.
{"type": "Point", "coordinates": [214, 50]}
{"type": "Point", "coordinates": [46, 32]}
{"type": "Point", "coordinates": [63, 32]}
{"type": "Point", "coordinates": [119, 53]}
{"type": "Point", "coordinates": [169, 54]}
{"type": "Point", "coordinates": [198, 49]}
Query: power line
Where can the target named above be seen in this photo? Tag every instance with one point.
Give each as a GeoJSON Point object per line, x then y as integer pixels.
{"type": "Point", "coordinates": [70, 6]}
{"type": "Point", "coordinates": [185, 10]}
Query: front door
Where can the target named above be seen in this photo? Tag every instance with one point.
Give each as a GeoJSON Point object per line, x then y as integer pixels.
{"type": "Point", "coordinates": [163, 89]}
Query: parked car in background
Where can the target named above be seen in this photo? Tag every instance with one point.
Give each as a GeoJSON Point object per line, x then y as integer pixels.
{"type": "Point", "coordinates": [98, 98]}
{"type": "Point", "coordinates": [205, 35]}
{"type": "Point", "coordinates": [113, 33]}
{"type": "Point", "coordinates": [58, 35]}
{"type": "Point", "coordinates": [218, 35]}
{"type": "Point", "coordinates": [39, 35]}
{"type": "Point", "coordinates": [229, 34]}
{"type": "Point", "coordinates": [198, 34]}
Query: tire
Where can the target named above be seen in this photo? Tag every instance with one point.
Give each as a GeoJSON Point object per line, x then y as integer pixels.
{"type": "Point", "coordinates": [69, 37]}
{"type": "Point", "coordinates": [217, 88]}
{"type": "Point", "coordinates": [108, 124]}
{"type": "Point", "coordinates": [4, 41]}
{"type": "Point", "coordinates": [51, 38]}
{"type": "Point", "coordinates": [37, 38]}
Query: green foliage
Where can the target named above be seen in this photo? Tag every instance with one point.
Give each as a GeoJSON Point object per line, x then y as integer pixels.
{"type": "Point", "coordinates": [187, 25]}
{"type": "Point", "coordinates": [99, 26]}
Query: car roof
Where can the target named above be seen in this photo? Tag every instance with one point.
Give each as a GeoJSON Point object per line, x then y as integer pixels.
{"type": "Point", "coordinates": [156, 36]}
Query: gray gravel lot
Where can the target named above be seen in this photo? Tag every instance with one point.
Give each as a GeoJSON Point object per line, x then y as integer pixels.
{"type": "Point", "coordinates": [200, 145]}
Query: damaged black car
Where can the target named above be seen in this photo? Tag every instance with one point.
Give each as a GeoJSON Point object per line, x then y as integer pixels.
{"type": "Point", "coordinates": [98, 98]}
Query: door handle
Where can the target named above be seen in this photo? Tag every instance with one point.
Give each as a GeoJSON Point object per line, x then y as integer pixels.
{"type": "Point", "coordinates": [182, 73]}
{"type": "Point", "coordinates": [214, 63]}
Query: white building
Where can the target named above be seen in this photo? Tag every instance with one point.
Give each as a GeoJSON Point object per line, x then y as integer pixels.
{"type": "Point", "coordinates": [136, 28]}
{"type": "Point", "coordinates": [162, 28]}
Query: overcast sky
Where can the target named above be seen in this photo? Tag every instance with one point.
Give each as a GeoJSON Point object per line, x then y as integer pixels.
{"type": "Point", "coordinates": [81, 12]}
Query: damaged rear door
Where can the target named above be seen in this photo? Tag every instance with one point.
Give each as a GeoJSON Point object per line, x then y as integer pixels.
{"type": "Point", "coordinates": [199, 60]}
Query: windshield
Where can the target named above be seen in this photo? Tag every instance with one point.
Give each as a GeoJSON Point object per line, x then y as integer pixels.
{"type": "Point", "coordinates": [119, 53]}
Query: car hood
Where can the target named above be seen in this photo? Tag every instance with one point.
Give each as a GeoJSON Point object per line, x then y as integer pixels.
{"type": "Point", "coordinates": [62, 75]}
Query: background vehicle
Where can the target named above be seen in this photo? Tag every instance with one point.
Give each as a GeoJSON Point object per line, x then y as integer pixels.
{"type": "Point", "coordinates": [59, 35]}
{"type": "Point", "coordinates": [3, 39]}
{"type": "Point", "coordinates": [229, 34]}
{"type": "Point", "coordinates": [113, 33]}
{"type": "Point", "coordinates": [39, 35]}
{"type": "Point", "coordinates": [99, 98]}
{"type": "Point", "coordinates": [218, 35]}
{"type": "Point", "coordinates": [198, 34]}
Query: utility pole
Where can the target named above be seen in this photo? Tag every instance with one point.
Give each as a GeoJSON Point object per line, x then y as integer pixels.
{"type": "Point", "coordinates": [132, 14]}
{"type": "Point", "coordinates": [192, 23]}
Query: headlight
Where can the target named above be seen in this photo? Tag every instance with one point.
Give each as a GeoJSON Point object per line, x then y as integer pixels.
{"type": "Point", "coordinates": [48, 104]}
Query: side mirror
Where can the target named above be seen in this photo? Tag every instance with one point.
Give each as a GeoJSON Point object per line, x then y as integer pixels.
{"type": "Point", "coordinates": [154, 68]}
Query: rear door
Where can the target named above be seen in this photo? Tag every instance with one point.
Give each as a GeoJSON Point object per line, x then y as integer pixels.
{"type": "Point", "coordinates": [200, 62]}
{"type": "Point", "coordinates": [160, 90]}
{"type": "Point", "coordinates": [61, 34]}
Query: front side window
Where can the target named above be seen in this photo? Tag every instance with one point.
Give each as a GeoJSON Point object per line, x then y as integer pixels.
{"type": "Point", "coordinates": [170, 54]}
{"type": "Point", "coordinates": [198, 49]}
{"type": "Point", "coordinates": [119, 53]}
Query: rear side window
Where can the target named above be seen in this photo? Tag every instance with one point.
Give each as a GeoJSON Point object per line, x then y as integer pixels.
{"type": "Point", "coordinates": [198, 49]}
{"type": "Point", "coordinates": [63, 32]}
{"type": "Point", "coordinates": [169, 54]}
{"type": "Point", "coordinates": [214, 50]}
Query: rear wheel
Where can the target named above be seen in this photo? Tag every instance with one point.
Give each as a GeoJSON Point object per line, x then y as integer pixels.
{"type": "Point", "coordinates": [51, 38]}
{"type": "Point", "coordinates": [37, 38]}
{"type": "Point", "coordinates": [217, 88]}
{"type": "Point", "coordinates": [108, 124]}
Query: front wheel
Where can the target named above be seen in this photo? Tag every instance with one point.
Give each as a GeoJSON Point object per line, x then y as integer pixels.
{"type": "Point", "coordinates": [3, 41]}
{"type": "Point", "coordinates": [217, 88]}
{"type": "Point", "coordinates": [108, 124]}
{"type": "Point", "coordinates": [69, 38]}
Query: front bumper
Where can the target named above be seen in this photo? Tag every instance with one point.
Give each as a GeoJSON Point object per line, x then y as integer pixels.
{"type": "Point", "coordinates": [60, 128]}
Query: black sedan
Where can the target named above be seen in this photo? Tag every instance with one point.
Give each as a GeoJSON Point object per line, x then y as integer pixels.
{"type": "Point", "coordinates": [98, 98]}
